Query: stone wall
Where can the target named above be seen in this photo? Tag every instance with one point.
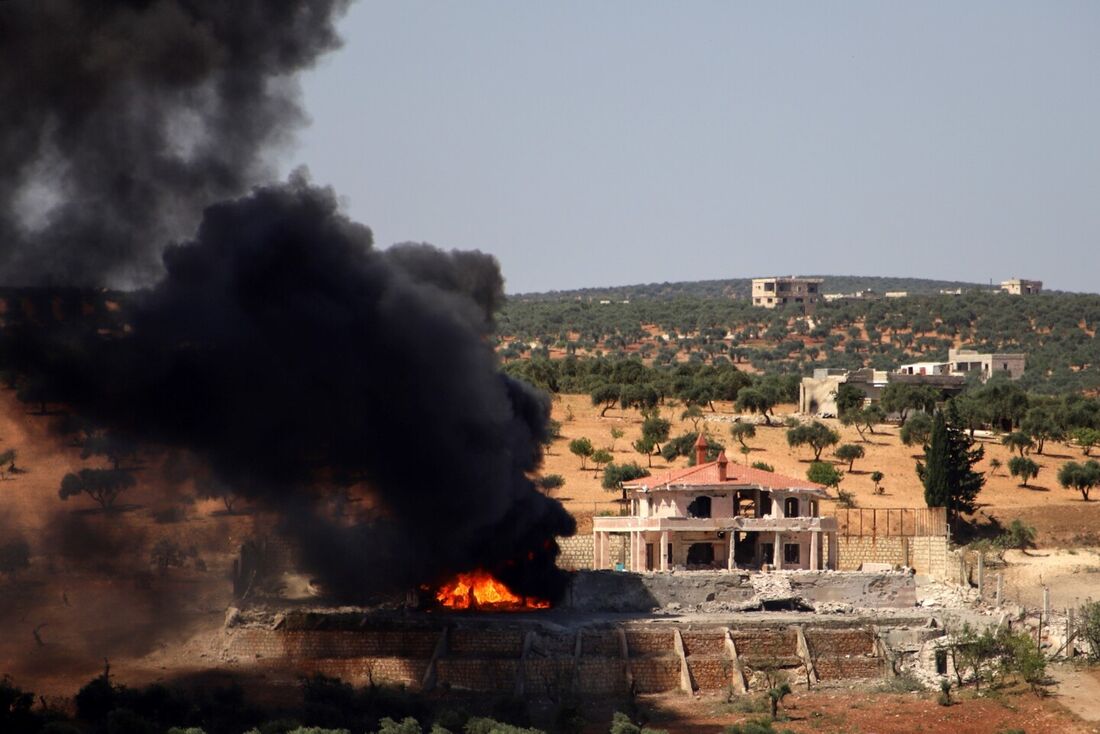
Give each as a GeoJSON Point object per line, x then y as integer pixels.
{"type": "Point", "coordinates": [925, 554]}
{"type": "Point", "coordinates": [577, 553]}
{"type": "Point", "coordinates": [929, 555]}
{"type": "Point", "coordinates": [853, 551]}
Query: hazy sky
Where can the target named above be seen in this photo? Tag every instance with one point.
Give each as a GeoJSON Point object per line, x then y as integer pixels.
{"type": "Point", "coordinates": [613, 142]}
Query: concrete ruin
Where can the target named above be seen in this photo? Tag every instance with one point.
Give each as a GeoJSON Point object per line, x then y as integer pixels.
{"type": "Point", "coordinates": [622, 634]}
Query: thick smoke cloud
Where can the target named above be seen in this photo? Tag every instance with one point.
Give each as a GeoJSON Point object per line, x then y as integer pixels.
{"type": "Point", "coordinates": [297, 361]}
{"type": "Point", "coordinates": [122, 120]}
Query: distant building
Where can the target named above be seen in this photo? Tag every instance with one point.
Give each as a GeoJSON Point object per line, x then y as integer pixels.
{"type": "Point", "coordinates": [925, 368]}
{"type": "Point", "coordinates": [867, 295]}
{"type": "Point", "coordinates": [896, 294]}
{"type": "Point", "coordinates": [1021, 287]}
{"type": "Point", "coordinates": [967, 361]}
{"type": "Point", "coordinates": [777, 292]}
{"type": "Point", "coordinates": [817, 394]}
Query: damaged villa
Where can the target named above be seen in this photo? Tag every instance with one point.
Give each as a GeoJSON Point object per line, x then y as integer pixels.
{"type": "Point", "coordinates": [718, 514]}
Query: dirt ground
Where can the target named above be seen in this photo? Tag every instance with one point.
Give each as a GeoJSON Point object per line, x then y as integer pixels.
{"type": "Point", "coordinates": [91, 591]}
{"type": "Point", "coordinates": [865, 710]}
{"type": "Point", "coordinates": [1060, 516]}
{"type": "Point", "coordinates": [104, 599]}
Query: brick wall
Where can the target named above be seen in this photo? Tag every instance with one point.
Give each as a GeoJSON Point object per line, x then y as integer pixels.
{"type": "Point", "coordinates": [601, 676]}
{"type": "Point", "coordinates": [543, 675]}
{"type": "Point", "coordinates": [477, 674]}
{"type": "Point", "coordinates": [840, 642]}
{"type": "Point", "coordinates": [367, 671]}
{"type": "Point", "coordinates": [601, 644]}
{"type": "Point", "coordinates": [656, 674]}
{"type": "Point", "coordinates": [765, 644]}
{"type": "Point", "coordinates": [704, 643]}
{"type": "Point", "coordinates": [844, 668]}
{"type": "Point", "coordinates": [485, 643]}
{"type": "Point", "coordinates": [649, 644]}
{"type": "Point", "coordinates": [359, 644]}
{"type": "Point", "coordinates": [488, 658]}
{"type": "Point", "coordinates": [711, 672]}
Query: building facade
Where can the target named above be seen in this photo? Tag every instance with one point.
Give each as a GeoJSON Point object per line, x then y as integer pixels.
{"type": "Point", "coordinates": [717, 515]}
{"type": "Point", "coordinates": [1022, 287]}
{"type": "Point", "coordinates": [967, 361]}
{"type": "Point", "coordinates": [778, 292]}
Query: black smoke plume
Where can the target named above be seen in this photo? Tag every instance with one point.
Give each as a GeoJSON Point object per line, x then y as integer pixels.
{"type": "Point", "coordinates": [297, 361]}
{"type": "Point", "coordinates": [120, 120]}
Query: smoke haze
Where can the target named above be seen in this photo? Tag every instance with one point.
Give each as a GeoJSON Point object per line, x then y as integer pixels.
{"type": "Point", "coordinates": [122, 120]}
{"type": "Point", "coordinates": [296, 362]}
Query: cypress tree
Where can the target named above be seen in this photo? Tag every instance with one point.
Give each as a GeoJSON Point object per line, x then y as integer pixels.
{"type": "Point", "coordinates": [947, 471]}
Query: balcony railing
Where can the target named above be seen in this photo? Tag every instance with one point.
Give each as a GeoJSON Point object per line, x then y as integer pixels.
{"type": "Point", "coordinates": [759, 524]}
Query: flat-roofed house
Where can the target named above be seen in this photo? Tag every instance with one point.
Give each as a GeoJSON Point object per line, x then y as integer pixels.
{"type": "Point", "coordinates": [1022, 287]}
{"type": "Point", "coordinates": [778, 292]}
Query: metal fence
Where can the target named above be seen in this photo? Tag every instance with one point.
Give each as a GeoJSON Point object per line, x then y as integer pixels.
{"type": "Point", "coordinates": [901, 522]}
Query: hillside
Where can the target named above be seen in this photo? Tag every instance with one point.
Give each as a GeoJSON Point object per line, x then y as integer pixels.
{"type": "Point", "coordinates": [1057, 331]}
{"type": "Point", "coordinates": [740, 287]}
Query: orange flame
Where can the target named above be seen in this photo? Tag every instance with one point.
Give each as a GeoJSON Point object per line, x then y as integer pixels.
{"type": "Point", "coordinates": [480, 590]}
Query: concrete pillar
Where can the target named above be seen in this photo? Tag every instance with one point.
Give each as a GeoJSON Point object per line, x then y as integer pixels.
{"type": "Point", "coordinates": [815, 538]}
{"type": "Point", "coordinates": [687, 685]}
{"type": "Point", "coordinates": [730, 563]}
{"type": "Point", "coordinates": [664, 550]}
{"type": "Point", "coordinates": [777, 551]}
{"type": "Point", "coordinates": [1000, 588]}
{"type": "Point", "coordinates": [834, 552]}
{"type": "Point", "coordinates": [981, 575]}
{"type": "Point", "coordinates": [1046, 602]}
{"type": "Point", "coordinates": [597, 551]}
{"type": "Point", "coordinates": [1071, 644]}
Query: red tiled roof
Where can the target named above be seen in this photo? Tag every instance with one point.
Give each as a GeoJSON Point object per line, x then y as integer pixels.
{"type": "Point", "coordinates": [738, 474]}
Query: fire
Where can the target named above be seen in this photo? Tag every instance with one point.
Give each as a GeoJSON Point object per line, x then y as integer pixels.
{"type": "Point", "coordinates": [480, 590]}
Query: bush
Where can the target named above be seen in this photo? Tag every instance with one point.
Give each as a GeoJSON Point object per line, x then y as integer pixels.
{"type": "Point", "coordinates": [1090, 627]}
{"type": "Point", "coordinates": [757, 726]}
{"type": "Point", "coordinates": [408, 725]}
{"type": "Point", "coordinates": [826, 474]}
{"type": "Point", "coordinates": [1024, 468]}
{"type": "Point", "coordinates": [551, 481]}
{"type": "Point", "coordinates": [621, 724]}
{"type": "Point", "coordinates": [944, 699]}
{"type": "Point", "coordinates": [1017, 536]}
{"type": "Point", "coordinates": [483, 725]}
{"type": "Point", "coordinates": [763, 466]}
{"type": "Point", "coordinates": [849, 452]}
{"type": "Point", "coordinates": [615, 474]}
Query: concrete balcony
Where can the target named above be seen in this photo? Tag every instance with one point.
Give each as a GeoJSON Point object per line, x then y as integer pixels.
{"type": "Point", "coordinates": [708, 524]}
